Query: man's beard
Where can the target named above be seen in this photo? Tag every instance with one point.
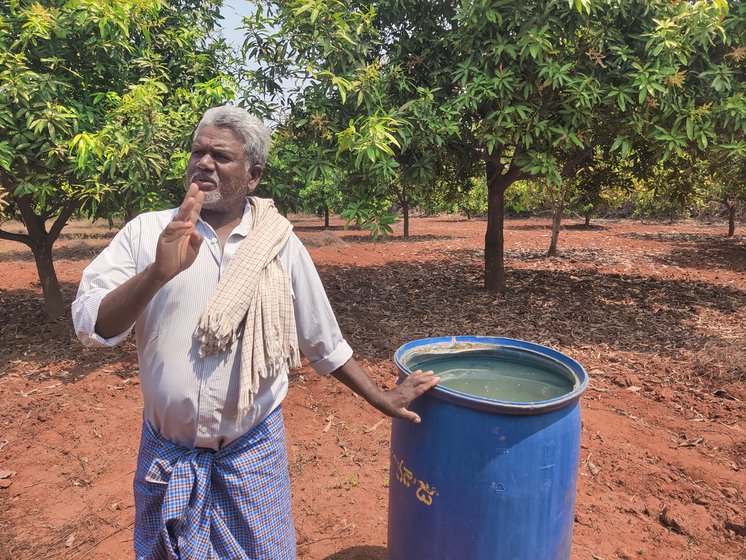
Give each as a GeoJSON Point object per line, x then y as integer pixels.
{"type": "Point", "coordinates": [213, 198]}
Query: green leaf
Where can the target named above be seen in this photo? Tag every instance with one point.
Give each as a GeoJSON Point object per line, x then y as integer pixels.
{"type": "Point", "coordinates": [304, 8]}
{"type": "Point", "coordinates": [6, 155]}
{"type": "Point", "coordinates": [690, 129]}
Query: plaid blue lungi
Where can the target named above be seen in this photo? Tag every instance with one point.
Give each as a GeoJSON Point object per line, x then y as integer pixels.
{"type": "Point", "coordinates": [204, 504]}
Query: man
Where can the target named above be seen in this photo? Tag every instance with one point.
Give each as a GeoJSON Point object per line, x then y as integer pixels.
{"type": "Point", "coordinates": [222, 296]}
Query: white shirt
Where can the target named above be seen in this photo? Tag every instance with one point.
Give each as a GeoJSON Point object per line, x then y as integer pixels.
{"type": "Point", "coordinates": [190, 400]}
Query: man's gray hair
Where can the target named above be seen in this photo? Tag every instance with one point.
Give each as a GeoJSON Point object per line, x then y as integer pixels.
{"type": "Point", "coordinates": [255, 135]}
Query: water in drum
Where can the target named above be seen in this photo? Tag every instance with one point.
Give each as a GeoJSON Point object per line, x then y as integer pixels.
{"type": "Point", "coordinates": [496, 378]}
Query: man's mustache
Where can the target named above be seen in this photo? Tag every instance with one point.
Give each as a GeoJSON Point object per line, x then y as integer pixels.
{"type": "Point", "coordinates": [199, 176]}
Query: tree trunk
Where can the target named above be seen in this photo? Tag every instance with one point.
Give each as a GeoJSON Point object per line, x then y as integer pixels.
{"type": "Point", "coordinates": [326, 217]}
{"type": "Point", "coordinates": [558, 207]}
{"type": "Point", "coordinates": [403, 197]}
{"type": "Point", "coordinates": [54, 306]}
{"type": "Point", "coordinates": [494, 238]}
{"type": "Point", "coordinates": [587, 220]}
{"type": "Point", "coordinates": [41, 241]}
{"type": "Point", "coordinates": [732, 219]}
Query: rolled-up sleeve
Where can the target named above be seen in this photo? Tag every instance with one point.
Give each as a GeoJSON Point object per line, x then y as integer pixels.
{"type": "Point", "coordinates": [112, 268]}
{"type": "Point", "coordinates": [319, 335]}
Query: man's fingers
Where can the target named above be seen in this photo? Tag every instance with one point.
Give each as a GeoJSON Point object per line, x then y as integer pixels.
{"type": "Point", "coordinates": [199, 200]}
{"type": "Point", "coordinates": [195, 239]}
{"type": "Point", "coordinates": [177, 228]}
{"type": "Point", "coordinates": [183, 212]}
{"type": "Point", "coordinates": [191, 206]}
{"type": "Point", "coordinates": [423, 380]}
{"type": "Point", "coordinates": [411, 416]}
{"type": "Point", "coordinates": [411, 387]}
{"type": "Point", "coordinates": [423, 374]}
{"type": "Point", "coordinates": [414, 386]}
{"type": "Point", "coordinates": [427, 385]}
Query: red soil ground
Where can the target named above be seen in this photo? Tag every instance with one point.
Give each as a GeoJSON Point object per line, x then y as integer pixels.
{"type": "Point", "coordinates": [655, 313]}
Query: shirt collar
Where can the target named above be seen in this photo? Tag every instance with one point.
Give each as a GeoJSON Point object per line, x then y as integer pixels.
{"type": "Point", "coordinates": [243, 228]}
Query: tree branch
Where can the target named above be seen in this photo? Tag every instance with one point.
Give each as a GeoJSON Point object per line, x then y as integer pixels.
{"type": "Point", "coordinates": [515, 173]}
{"type": "Point", "coordinates": [34, 225]}
{"type": "Point", "coordinates": [19, 237]}
{"type": "Point", "coordinates": [6, 181]}
{"type": "Point", "coordinates": [62, 219]}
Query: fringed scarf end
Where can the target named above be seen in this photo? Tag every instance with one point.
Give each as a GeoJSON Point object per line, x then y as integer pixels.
{"type": "Point", "coordinates": [293, 359]}
{"type": "Point", "coordinates": [214, 334]}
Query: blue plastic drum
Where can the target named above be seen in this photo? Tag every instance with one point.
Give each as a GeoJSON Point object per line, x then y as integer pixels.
{"type": "Point", "coordinates": [481, 478]}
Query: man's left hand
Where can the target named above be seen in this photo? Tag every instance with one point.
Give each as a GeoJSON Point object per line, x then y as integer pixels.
{"type": "Point", "coordinates": [394, 402]}
{"type": "Point", "coordinates": [400, 397]}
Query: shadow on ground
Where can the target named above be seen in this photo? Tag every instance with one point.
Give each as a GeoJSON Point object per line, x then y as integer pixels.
{"type": "Point", "coordinates": [398, 239]}
{"type": "Point", "coordinates": [317, 228]}
{"type": "Point", "coordinates": [51, 347]}
{"type": "Point", "coordinates": [583, 227]}
{"type": "Point", "coordinates": [360, 553]}
{"type": "Point", "coordinates": [699, 250]}
{"type": "Point", "coordinates": [81, 250]}
{"type": "Point", "coordinates": [382, 307]}
{"type": "Point", "coordinates": [548, 226]}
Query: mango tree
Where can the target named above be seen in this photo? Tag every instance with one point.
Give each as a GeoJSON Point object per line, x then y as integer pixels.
{"type": "Point", "coordinates": [602, 180]}
{"type": "Point", "coordinates": [696, 181]}
{"type": "Point", "coordinates": [728, 185]}
{"type": "Point", "coordinates": [522, 88]}
{"type": "Point", "coordinates": [97, 102]}
{"type": "Point", "coordinates": [358, 123]}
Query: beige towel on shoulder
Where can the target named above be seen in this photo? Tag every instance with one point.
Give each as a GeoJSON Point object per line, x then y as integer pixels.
{"type": "Point", "coordinates": [254, 295]}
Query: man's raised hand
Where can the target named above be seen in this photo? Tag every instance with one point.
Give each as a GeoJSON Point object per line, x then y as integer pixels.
{"type": "Point", "coordinates": [179, 243]}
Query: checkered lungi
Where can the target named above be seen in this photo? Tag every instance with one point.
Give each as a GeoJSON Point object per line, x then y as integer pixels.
{"type": "Point", "coordinates": [203, 504]}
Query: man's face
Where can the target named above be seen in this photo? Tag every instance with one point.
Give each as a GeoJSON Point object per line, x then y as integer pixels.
{"type": "Point", "coordinates": [218, 166]}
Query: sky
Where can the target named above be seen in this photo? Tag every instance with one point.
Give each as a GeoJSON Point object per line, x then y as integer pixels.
{"type": "Point", "coordinates": [232, 11]}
